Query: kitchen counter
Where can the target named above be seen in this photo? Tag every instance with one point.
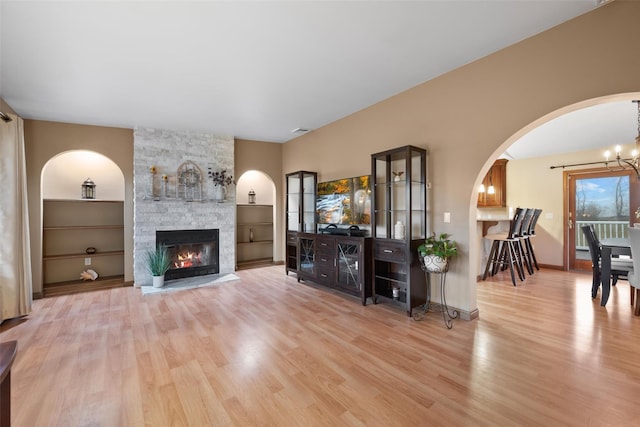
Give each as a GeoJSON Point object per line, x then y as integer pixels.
{"type": "Point", "coordinates": [494, 218]}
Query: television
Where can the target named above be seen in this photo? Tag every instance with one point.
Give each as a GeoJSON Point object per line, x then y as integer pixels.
{"type": "Point", "coordinates": [344, 201]}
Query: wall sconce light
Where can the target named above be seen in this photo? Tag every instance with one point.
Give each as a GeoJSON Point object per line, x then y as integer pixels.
{"type": "Point", "coordinates": [491, 189]}
{"type": "Point", "coordinates": [252, 197]}
{"type": "Point", "coordinates": [88, 189]}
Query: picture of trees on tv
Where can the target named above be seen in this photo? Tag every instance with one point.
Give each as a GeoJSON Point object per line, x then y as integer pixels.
{"type": "Point", "coordinates": [344, 201]}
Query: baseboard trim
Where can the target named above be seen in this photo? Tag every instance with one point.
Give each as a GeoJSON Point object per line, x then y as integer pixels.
{"type": "Point", "coordinates": [551, 267]}
{"type": "Point", "coordinates": [462, 314]}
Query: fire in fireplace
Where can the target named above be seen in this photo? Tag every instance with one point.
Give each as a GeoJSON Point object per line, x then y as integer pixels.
{"type": "Point", "coordinates": [193, 252]}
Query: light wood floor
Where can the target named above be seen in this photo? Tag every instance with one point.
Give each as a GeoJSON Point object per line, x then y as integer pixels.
{"type": "Point", "coordinates": [268, 351]}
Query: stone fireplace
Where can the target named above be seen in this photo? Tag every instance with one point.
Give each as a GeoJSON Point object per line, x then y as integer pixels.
{"type": "Point", "coordinates": [160, 205]}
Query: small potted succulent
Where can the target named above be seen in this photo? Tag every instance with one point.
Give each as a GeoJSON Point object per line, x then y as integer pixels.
{"type": "Point", "coordinates": [158, 262]}
{"type": "Point", "coordinates": [436, 251]}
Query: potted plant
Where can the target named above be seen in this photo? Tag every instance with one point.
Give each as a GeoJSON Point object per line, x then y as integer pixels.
{"type": "Point", "coordinates": [436, 251]}
{"type": "Point", "coordinates": [158, 263]}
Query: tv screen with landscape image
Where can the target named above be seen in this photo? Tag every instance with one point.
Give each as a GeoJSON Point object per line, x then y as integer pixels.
{"type": "Point", "coordinates": [344, 201]}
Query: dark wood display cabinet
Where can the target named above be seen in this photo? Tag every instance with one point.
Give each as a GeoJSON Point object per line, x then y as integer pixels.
{"type": "Point", "coordinates": [300, 213]}
{"type": "Point", "coordinates": [339, 262]}
{"type": "Point", "coordinates": [399, 226]}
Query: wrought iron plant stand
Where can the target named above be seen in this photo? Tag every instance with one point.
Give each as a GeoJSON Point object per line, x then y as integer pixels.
{"type": "Point", "coordinates": [447, 314]}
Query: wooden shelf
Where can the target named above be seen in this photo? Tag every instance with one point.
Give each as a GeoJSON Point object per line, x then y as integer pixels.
{"type": "Point", "coordinates": [254, 237]}
{"type": "Point", "coordinates": [82, 255]}
{"type": "Point", "coordinates": [75, 286]}
{"type": "Point", "coordinates": [83, 227]}
{"type": "Point", "coordinates": [260, 262]}
{"type": "Point", "coordinates": [259, 242]}
{"type": "Point", "coordinates": [70, 226]}
{"type": "Point", "coordinates": [84, 200]}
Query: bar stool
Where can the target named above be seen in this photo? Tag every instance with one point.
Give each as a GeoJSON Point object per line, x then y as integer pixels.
{"type": "Point", "coordinates": [523, 235]}
{"type": "Point", "coordinates": [505, 252]}
{"type": "Point", "coordinates": [532, 233]}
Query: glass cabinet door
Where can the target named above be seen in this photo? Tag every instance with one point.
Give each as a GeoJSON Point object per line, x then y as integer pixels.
{"type": "Point", "coordinates": [309, 202]}
{"type": "Point", "coordinates": [348, 254]}
{"type": "Point", "coordinates": [307, 255]}
{"type": "Point", "coordinates": [417, 195]}
{"type": "Point", "coordinates": [301, 201]}
{"type": "Point", "coordinates": [399, 194]}
{"type": "Point", "coordinates": [293, 202]}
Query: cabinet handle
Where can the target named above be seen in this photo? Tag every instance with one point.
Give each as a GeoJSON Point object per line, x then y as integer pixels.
{"type": "Point", "coordinates": [323, 275]}
{"type": "Point", "coordinates": [323, 259]}
{"type": "Point", "coordinates": [387, 251]}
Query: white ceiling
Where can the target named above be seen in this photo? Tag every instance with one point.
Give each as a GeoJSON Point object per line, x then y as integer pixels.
{"type": "Point", "coordinates": [253, 70]}
{"type": "Point", "coordinates": [599, 126]}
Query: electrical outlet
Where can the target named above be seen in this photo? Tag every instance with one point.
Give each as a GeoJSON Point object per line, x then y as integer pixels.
{"type": "Point", "coordinates": [447, 217]}
{"type": "Point", "coordinates": [87, 261]}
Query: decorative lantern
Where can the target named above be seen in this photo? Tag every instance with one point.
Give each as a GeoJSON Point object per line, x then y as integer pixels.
{"type": "Point", "coordinates": [88, 189]}
{"type": "Point", "coordinates": [252, 197]}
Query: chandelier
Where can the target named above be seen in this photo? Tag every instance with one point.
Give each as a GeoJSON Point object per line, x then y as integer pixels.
{"type": "Point", "coordinates": [632, 162]}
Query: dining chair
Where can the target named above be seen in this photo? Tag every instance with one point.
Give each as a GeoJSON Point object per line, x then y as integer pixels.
{"type": "Point", "coordinates": [620, 267]}
{"type": "Point", "coordinates": [634, 276]}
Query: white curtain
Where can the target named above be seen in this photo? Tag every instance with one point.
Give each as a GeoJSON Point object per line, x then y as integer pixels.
{"type": "Point", "coordinates": [15, 253]}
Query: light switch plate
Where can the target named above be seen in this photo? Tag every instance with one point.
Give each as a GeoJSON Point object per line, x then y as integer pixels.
{"type": "Point", "coordinates": [87, 261]}
{"type": "Point", "coordinates": [447, 217]}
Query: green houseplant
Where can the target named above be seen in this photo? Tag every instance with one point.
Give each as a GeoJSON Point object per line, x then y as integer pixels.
{"type": "Point", "coordinates": [436, 251]}
{"type": "Point", "coordinates": [158, 262]}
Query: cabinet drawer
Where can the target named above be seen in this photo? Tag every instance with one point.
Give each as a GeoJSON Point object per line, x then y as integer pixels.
{"type": "Point", "coordinates": [325, 276]}
{"type": "Point", "coordinates": [324, 245]}
{"type": "Point", "coordinates": [324, 260]}
{"type": "Point", "coordinates": [292, 238]}
{"type": "Point", "coordinates": [389, 251]}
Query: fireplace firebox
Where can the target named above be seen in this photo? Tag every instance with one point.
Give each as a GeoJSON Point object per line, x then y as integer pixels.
{"type": "Point", "coordinates": [192, 252]}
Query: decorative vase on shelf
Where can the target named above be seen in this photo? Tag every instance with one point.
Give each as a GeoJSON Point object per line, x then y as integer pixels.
{"type": "Point", "coordinates": [219, 193]}
{"type": "Point", "coordinates": [398, 231]}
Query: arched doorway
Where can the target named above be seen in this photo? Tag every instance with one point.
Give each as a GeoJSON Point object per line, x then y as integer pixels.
{"type": "Point", "coordinates": [533, 183]}
{"type": "Point", "coordinates": [83, 238]}
{"type": "Point", "coordinates": [255, 220]}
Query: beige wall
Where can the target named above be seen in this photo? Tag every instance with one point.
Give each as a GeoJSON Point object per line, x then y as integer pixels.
{"type": "Point", "coordinates": [265, 157]}
{"type": "Point", "coordinates": [467, 117]}
{"type": "Point", "coordinates": [44, 140]}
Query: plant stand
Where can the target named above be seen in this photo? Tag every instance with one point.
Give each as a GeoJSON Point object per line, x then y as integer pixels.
{"type": "Point", "coordinates": [447, 314]}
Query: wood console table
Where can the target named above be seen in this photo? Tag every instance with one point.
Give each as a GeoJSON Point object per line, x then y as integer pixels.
{"type": "Point", "coordinates": [8, 352]}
